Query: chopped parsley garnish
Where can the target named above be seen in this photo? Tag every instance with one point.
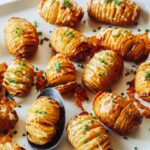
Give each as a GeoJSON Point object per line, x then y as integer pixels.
{"type": "Point", "coordinates": [36, 24]}
{"type": "Point", "coordinates": [139, 30]}
{"type": "Point", "coordinates": [16, 71]}
{"type": "Point", "coordinates": [85, 142]}
{"type": "Point", "coordinates": [57, 66]}
{"type": "Point", "coordinates": [19, 31]}
{"type": "Point", "coordinates": [102, 61]}
{"type": "Point", "coordinates": [125, 137]}
{"type": "Point", "coordinates": [104, 73]}
{"type": "Point", "coordinates": [118, 3]}
{"type": "Point", "coordinates": [22, 63]}
{"type": "Point", "coordinates": [107, 53]}
{"type": "Point", "coordinates": [11, 80]}
{"type": "Point", "coordinates": [86, 127]}
{"type": "Point", "coordinates": [19, 106]}
{"type": "Point", "coordinates": [46, 39]}
{"type": "Point", "coordinates": [147, 75]}
{"type": "Point", "coordinates": [147, 30]}
{"type": "Point", "coordinates": [118, 34]}
{"type": "Point", "coordinates": [94, 30]}
{"type": "Point", "coordinates": [92, 121]}
{"type": "Point", "coordinates": [40, 112]}
{"type": "Point", "coordinates": [41, 41]}
{"type": "Point", "coordinates": [24, 134]}
{"type": "Point", "coordinates": [91, 114]}
{"type": "Point", "coordinates": [69, 34]}
{"type": "Point", "coordinates": [37, 69]}
{"type": "Point", "coordinates": [110, 65]}
{"type": "Point", "coordinates": [135, 148]}
{"type": "Point", "coordinates": [40, 33]}
{"type": "Point", "coordinates": [67, 3]}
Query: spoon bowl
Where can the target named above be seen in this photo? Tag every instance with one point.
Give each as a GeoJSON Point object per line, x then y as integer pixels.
{"type": "Point", "coordinates": [54, 94]}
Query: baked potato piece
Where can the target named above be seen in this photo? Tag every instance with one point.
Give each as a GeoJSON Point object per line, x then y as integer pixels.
{"type": "Point", "coordinates": [131, 47]}
{"type": "Point", "coordinates": [117, 113]}
{"type": "Point", "coordinates": [102, 70]}
{"type": "Point", "coordinates": [19, 77]}
{"type": "Point", "coordinates": [142, 81]}
{"type": "Point", "coordinates": [7, 144]}
{"type": "Point", "coordinates": [115, 12]}
{"type": "Point", "coordinates": [21, 38]}
{"type": "Point", "coordinates": [61, 73]}
{"type": "Point", "coordinates": [71, 42]}
{"type": "Point", "coordinates": [61, 12]}
{"type": "Point", "coordinates": [42, 119]}
{"type": "Point", "coordinates": [8, 116]}
{"type": "Point", "coordinates": [86, 132]}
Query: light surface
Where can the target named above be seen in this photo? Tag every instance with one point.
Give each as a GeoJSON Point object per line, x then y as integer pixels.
{"type": "Point", "coordinates": [28, 9]}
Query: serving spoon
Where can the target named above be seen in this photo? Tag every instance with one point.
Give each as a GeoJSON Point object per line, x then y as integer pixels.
{"type": "Point", "coordinates": [54, 94]}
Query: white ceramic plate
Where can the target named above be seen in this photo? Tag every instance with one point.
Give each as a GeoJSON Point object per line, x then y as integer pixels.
{"type": "Point", "coordinates": [28, 9]}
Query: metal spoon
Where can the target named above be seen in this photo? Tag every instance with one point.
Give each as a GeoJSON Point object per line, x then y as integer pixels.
{"type": "Point", "coordinates": [54, 94]}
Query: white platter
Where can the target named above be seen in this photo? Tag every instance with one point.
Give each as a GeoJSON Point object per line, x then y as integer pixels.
{"type": "Point", "coordinates": [28, 9]}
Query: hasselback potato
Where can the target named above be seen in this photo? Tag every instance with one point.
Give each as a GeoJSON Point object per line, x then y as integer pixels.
{"type": "Point", "coordinates": [102, 70]}
{"type": "Point", "coordinates": [131, 47]}
{"type": "Point", "coordinates": [21, 38]}
{"type": "Point", "coordinates": [19, 77]}
{"type": "Point", "coordinates": [8, 116]}
{"type": "Point", "coordinates": [116, 12]}
{"type": "Point", "coordinates": [86, 132]}
{"type": "Point", "coordinates": [71, 42]}
{"type": "Point", "coordinates": [61, 12]}
{"type": "Point", "coordinates": [61, 73]}
{"type": "Point", "coordinates": [10, 146]}
{"type": "Point", "coordinates": [142, 81]}
{"type": "Point", "coordinates": [117, 113]}
{"type": "Point", "coordinates": [42, 119]}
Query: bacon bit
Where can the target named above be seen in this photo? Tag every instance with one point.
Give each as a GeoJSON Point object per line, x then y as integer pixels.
{"type": "Point", "coordinates": [40, 80]}
{"type": "Point", "coordinates": [131, 91]}
{"type": "Point", "coordinates": [3, 68]}
{"type": "Point", "coordinates": [80, 95]}
{"type": "Point", "coordinates": [7, 137]}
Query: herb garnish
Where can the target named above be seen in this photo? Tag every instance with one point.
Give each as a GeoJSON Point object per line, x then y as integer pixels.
{"type": "Point", "coordinates": [69, 34]}
{"type": "Point", "coordinates": [11, 80]}
{"type": "Point", "coordinates": [57, 66]}
{"type": "Point", "coordinates": [19, 31]}
{"type": "Point", "coordinates": [67, 3]}
{"type": "Point", "coordinates": [148, 75]}
{"type": "Point", "coordinates": [36, 24]}
{"type": "Point", "coordinates": [22, 63]}
{"type": "Point", "coordinates": [40, 112]}
{"type": "Point", "coordinates": [86, 127]}
{"type": "Point", "coordinates": [85, 142]}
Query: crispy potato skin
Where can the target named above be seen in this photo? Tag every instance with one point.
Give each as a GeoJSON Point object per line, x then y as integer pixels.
{"type": "Point", "coordinates": [102, 70]}
{"type": "Point", "coordinates": [123, 13]}
{"type": "Point", "coordinates": [131, 47]}
{"type": "Point", "coordinates": [117, 113]}
{"type": "Point", "coordinates": [42, 117]}
{"type": "Point", "coordinates": [56, 12]}
{"type": "Point", "coordinates": [142, 81]}
{"type": "Point", "coordinates": [8, 117]}
{"type": "Point", "coordinates": [21, 38]}
{"type": "Point", "coordinates": [70, 42]}
{"type": "Point", "coordinates": [61, 73]}
{"type": "Point", "coordinates": [86, 132]}
{"type": "Point", "coordinates": [19, 77]}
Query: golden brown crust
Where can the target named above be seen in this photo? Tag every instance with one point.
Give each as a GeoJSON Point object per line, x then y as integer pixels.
{"type": "Point", "coordinates": [142, 81]}
{"type": "Point", "coordinates": [122, 12]}
{"type": "Point", "coordinates": [19, 77]}
{"type": "Point", "coordinates": [102, 70]}
{"type": "Point", "coordinates": [131, 47]}
{"type": "Point", "coordinates": [61, 12]}
{"type": "Point", "coordinates": [70, 42]}
{"type": "Point", "coordinates": [8, 116]}
{"type": "Point", "coordinates": [21, 38]}
{"type": "Point", "coordinates": [117, 113]}
{"type": "Point", "coordinates": [85, 132]}
{"type": "Point", "coordinates": [61, 73]}
{"type": "Point", "coordinates": [43, 115]}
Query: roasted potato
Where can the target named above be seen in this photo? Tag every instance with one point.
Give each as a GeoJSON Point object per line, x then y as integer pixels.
{"type": "Point", "coordinates": [131, 47]}
{"type": "Point", "coordinates": [142, 81]}
{"type": "Point", "coordinates": [116, 12]}
{"type": "Point", "coordinates": [42, 119]}
{"type": "Point", "coordinates": [86, 132]}
{"type": "Point", "coordinates": [117, 113]}
{"type": "Point", "coordinates": [19, 77]}
{"type": "Point", "coordinates": [71, 42]}
{"type": "Point", "coordinates": [7, 144]}
{"type": "Point", "coordinates": [61, 73]}
{"type": "Point", "coordinates": [61, 12]}
{"type": "Point", "coordinates": [8, 116]}
{"type": "Point", "coordinates": [21, 38]}
{"type": "Point", "coordinates": [102, 70]}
